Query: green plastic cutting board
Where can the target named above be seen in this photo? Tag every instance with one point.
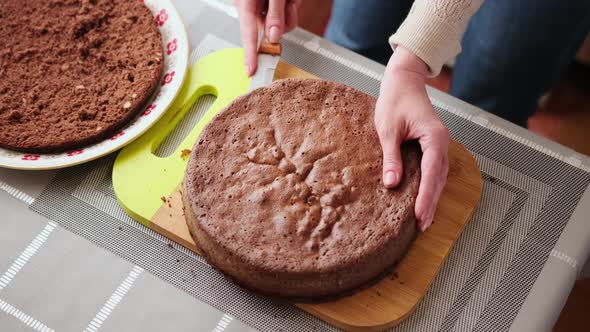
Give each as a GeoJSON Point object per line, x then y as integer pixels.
{"type": "Point", "coordinates": [140, 178]}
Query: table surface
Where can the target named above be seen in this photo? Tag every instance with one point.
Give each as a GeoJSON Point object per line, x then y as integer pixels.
{"type": "Point", "coordinates": [71, 260]}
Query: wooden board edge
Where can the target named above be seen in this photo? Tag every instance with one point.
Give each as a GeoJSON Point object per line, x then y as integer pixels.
{"type": "Point", "coordinates": [169, 221]}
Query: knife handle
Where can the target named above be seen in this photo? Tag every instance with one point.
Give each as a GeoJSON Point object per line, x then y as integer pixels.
{"type": "Point", "coordinates": [267, 47]}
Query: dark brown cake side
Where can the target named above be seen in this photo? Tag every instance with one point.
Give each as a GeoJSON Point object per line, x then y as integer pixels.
{"type": "Point", "coordinates": [73, 72]}
{"type": "Point", "coordinates": [283, 192]}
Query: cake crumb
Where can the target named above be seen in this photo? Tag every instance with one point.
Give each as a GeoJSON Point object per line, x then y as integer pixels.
{"type": "Point", "coordinates": [127, 104]}
{"type": "Point", "coordinates": [170, 246]}
{"type": "Point", "coordinates": [185, 154]}
{"type": "Point", "coordinates": [163, 198]}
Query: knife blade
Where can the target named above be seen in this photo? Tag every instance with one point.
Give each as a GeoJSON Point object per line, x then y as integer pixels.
{"type": "Point", "coordinates": [269, 55]}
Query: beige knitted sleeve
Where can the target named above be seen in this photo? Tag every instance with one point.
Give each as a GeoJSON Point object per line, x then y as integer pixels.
{"type": "Point", "coordinates": [433, 30]}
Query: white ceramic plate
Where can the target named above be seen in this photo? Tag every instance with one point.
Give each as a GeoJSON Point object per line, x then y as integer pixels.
{"type": "Point", "coordinates": [175, 46]}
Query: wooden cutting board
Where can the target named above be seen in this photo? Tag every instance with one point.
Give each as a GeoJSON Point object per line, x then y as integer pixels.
{"type": "Point", "coordinates": [147, 187]}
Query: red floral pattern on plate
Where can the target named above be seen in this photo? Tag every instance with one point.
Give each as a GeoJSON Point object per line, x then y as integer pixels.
{"type": "Point", "coordinates": [148, 110]}
{"type": "Point", "coordinates": [117, 135]}
{"type": "Point", "coordinates": [168, 78]}
{"type": "Point", "coordinates": [31, 157]}
{"type": "Point", "coordinates": [171, 47]}
{"type": "Point", "coordinates": [162, 17]}
{"type": "Point", "coordinates": [75, 153]}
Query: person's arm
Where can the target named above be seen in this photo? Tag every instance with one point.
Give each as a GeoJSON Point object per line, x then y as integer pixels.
{"type": "Point", "coordinates": [429, 37]}
{"type": "Point", "coordinates": [433, 30]}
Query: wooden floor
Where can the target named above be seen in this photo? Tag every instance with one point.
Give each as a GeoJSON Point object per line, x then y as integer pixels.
{"type": "Point", "coordinates": [563, 116]}
{"type": "Point", "coordinates": [574, 316]}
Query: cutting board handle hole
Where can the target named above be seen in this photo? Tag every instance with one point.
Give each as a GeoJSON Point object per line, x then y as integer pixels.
{"type": "Point", "coordinates": [184, 127]}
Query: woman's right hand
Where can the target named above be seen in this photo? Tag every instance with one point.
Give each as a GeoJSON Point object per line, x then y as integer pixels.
{"type": "Point", "coordinates": [276, 17]}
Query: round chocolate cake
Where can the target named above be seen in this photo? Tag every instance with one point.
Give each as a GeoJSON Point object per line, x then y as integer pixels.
{"type": "Point", "coordinates": [73, 72]}
{"type": "Point", "coordinates": [283, 192]}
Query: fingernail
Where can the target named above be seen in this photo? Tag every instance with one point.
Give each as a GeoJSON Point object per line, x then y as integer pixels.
{"type": "Point", "coordinates": [425, 224]}
{"type": "Point", "coordinates": [422, 226]}
{"type": "Point", "coordinates": [248, 70]}
{"type": "Point", "coordinates": [389, 178]}
{"type": "Point", "coordinates": [273, 34]}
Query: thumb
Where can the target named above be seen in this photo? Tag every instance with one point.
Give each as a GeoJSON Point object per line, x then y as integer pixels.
{"type": "Point", "coordinates": [392, 160]}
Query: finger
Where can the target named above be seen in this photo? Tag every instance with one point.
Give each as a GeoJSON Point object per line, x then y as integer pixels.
{"type": "Point", "coordinates": [434, 168]}
{"type": "Point", "coordinates": [247, 12]}
{"type": "Point", "coordinates": [292, 15]}
{"type": "Point", "coordinates": [275, 20]}
{"type": "Point", "coordinates": [392, 160]}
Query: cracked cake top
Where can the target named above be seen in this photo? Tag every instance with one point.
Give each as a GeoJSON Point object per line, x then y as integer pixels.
{"type": "Point", "coordinates": [288, 178]}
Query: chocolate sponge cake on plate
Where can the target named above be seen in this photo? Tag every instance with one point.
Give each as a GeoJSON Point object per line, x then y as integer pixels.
{"type": "Point", "coordinates": [283, 192]}
{"type": "Point", "coordinates": [74, 72]}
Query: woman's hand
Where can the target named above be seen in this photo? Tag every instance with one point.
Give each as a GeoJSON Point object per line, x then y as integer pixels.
{"type": "Point", "coordinates": [404, 112]}
{"type": "Point", "coordinates": [276, 17]}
